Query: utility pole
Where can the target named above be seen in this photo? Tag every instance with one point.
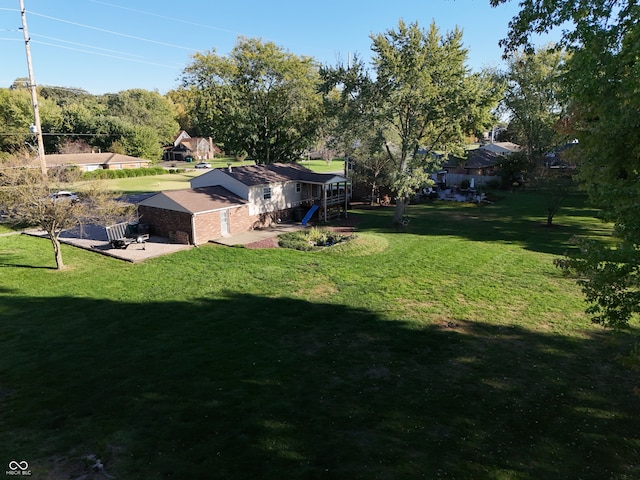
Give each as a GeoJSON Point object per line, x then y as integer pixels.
{"type": "Point", "coordinates": [36, 128]}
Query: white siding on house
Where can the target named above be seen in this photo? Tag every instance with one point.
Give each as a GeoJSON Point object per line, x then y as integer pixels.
{"type": "Point", "coordinates": [283, 196]}
{"type": "Point", "coordinates": [217, 177]}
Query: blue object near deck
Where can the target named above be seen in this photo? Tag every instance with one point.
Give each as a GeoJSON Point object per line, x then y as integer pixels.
{"type": "Point", "coordinates": [308, 215]}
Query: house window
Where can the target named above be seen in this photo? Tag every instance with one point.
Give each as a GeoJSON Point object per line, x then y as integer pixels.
{"type": "Point", "coordinates": [266, 193]}
{"type": "Point", "coordinates": [298, 188]}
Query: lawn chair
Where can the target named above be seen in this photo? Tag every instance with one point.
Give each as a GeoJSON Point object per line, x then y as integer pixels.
{"type": "Point", "coordinates": [121, 235]}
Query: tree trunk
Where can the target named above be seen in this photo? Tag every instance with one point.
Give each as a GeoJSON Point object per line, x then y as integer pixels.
{"type": "Point", "coordinates": [55, 241]}
{"type": "Point", "coordinates": [401, 206]}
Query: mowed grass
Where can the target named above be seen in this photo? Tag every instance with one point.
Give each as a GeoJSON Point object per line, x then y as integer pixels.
{"type": "Point", "coordinates": [452, 350]}
{"type": "Point", "coordinates": [153, 183]}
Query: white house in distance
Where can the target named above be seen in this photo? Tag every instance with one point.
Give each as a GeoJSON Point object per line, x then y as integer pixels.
{"type": "Point", "coordinates": [88, 162]}
{"type": "Point", "coordinates": [226, 201]}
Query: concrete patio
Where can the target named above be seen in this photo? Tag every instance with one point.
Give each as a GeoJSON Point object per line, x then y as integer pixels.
{"type": "Point", "coordinates": [94, 238]}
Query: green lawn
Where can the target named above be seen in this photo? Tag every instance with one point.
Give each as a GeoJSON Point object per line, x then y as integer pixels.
{"type": "Point", "coordinates": [452, 350]}
{"type": "Point", "coordinates": [154, 183]}
{"type": "Point", "coordinates": [4, 229]}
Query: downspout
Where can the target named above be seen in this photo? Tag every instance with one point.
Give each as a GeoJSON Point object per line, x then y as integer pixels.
{"type": "Point", "coordinates": [193, 228]}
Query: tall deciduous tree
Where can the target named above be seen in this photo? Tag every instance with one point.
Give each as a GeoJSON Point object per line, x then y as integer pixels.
{"type": "Point", "coordinates": [260, 99]}
{"type": "Point", "coordinates": [421, 97]}
{"type": "Point", "coordinates": [532, 99]}
{"type": "Point", "coordinates": [602, 81]}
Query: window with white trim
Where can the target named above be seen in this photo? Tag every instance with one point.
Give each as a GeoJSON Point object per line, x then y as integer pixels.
{"type": "Point", "coordinates": [298, 187]}
{"type": "Point", "coordinates": [266, 193]}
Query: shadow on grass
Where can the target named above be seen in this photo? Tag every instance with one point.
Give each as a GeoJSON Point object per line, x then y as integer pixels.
{"type": "Point", "coordinates": [518, 218]}
{"type": "Point", "coordinates": [251, 387]}
{"type": "Point", "coordinates": [15, 265]}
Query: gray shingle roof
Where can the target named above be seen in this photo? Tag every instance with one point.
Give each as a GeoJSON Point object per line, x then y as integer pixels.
{"type": "Point", "coordinates": [195, 200]}
{"type": "Point", "coordinates": [277, 173]}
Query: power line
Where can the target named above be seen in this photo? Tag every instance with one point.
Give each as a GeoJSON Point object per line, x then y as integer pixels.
{"type": "Point", "coordinates": [164, 17]}
{"type": "Point", "coordinates": [107, 55]}
{"type": "Point", "coordinates": [104, 30]}
{"type": "Point", "coordinates": [84, 45]}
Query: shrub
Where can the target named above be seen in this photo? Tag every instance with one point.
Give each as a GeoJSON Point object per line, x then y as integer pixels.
{"type": "Point", "coordinates": [130, 172]}
{"type": "Point", "coordinates": [312, 239]}
{"type": "Point", "coordinates": [493, 184]}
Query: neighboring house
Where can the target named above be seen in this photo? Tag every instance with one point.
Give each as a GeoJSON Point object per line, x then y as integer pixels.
{"type": "Point", "coordinates": [186, 148]}
{"type": "Point", "coordinates": [88, 162]}
{"type": "Point", "coordinates": [226, 201]}
{"type": "Point", "coordinates": [561, 157]}
{"type": "Point", "coordinates": [195, 216]}
{"type": "Point", "coordinates": [501, 148]}
{"type": "Point", "coordinates": [281, 191]}
{"type": "Point", "coordinates": [480, 165]}
{"type": "Point", "coordinates": [478, 162]}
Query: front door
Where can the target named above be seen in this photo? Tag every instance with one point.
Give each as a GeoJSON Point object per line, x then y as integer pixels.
{"type": "Point", "coordinates": [224, 222]}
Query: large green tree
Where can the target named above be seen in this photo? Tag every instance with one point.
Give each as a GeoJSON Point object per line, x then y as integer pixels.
{"type": "Point", "coordinates": [16, 115]}
{"type": "Point", "coordinates": [259, 99]}
{"type": "Point", "coordinates": [419, 97]}
{"type": "Point", "coordinates": [532, 99]}
{"type": "Point", "coordinates": [602, 83]}
{"type": "Point", "coordinates": [135, 122]}
{"type": "Point", "coordinates": [143, 108]}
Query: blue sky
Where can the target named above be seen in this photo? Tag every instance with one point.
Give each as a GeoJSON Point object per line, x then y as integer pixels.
{"type": "Point", "coordinates": [113, 45]}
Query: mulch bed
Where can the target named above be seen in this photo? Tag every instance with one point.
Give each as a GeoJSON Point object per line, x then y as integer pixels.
{"type": "Point", "coordinates": [266, 243]}
{"type": "Point", "coordinates": [344, 226]}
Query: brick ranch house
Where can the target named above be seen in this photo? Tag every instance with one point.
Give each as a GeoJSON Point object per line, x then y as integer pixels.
{"type": "Point", "coordinates": [195, 216]}
{"type": "Point", "coordinates": [226, 201]}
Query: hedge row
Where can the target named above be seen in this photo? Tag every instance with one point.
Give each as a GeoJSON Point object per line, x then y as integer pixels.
{"type": "Point", "coordinates": [128, 172]}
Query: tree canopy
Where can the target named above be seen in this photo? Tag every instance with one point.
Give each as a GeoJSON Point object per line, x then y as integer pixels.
{"type": "Point", "coordinates": [533, 99]}
{"type": "Point", "coordinates": [419, 97]}
{"type": "Point", "coordinates": [135, 122]}
{"type": "Point", "coordinates": [602, 81]}
{"type": "Point", "coordinates": [259, 99]}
